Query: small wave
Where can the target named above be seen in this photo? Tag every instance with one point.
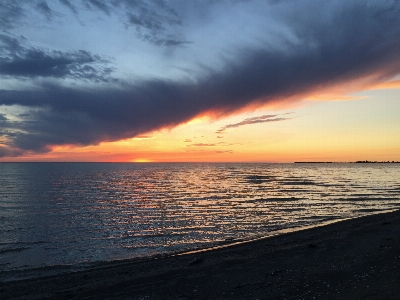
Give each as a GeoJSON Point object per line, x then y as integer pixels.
{"type": "Point", "coordinates": [292, 209]}
{"type": "Point", "coordinates": [367, 210]}
{"type": "Point", "coordinates": [273, 199]}
{"type": "Point", "coordinates": [320, 218]}
{"type": "Point", "coordinates": [259, 178]}
{"type": "Point", "coordinates": [19, 249]}
{"type": "Point", "coordinates": [299, 182]}
{"type": "Point", "coordinates": [24, 243]}
{"type": "Point", "coordinates": [367, 199]}
{"type": "Point", "coordinates": [141, 236]}
{"type": "Point", "coordinates": [298, 190]}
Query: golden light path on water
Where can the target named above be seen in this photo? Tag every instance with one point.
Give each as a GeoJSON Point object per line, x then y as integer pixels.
{"type": "Point", "coordinates": [55, 215]}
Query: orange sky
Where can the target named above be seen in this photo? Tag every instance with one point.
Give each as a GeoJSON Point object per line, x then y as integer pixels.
{"type": "Point", "coordinates": [364, 125]}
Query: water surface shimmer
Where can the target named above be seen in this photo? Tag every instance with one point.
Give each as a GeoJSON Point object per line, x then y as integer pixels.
{"type": "Point", "coordinates": [58, 215]}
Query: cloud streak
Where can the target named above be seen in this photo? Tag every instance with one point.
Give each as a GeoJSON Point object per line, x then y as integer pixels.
{"type": "Point", "coordinates": [70, 6]}
{"type": "Point", "coordinates": [155, 23]}
{"type": "Point", "coordinates": [203, 145]}
{"type": "Point", "coordinates": [253, 120]}
{"type": "Point", "coordinates": [329, 44]}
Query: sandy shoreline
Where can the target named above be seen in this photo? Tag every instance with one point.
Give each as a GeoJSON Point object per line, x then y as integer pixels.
{"type": "Point", "coordinates": [352, 259]}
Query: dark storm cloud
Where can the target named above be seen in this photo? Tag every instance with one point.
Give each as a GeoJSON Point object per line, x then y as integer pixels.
{"type": "Point", "coordinates": [333, 44]}
{"type": "Point", "coordinates": [86, 117]}
{"type": "Point", "coordinates": [18, 60]}
{"type": "Point", "coordinates": [254, 120]}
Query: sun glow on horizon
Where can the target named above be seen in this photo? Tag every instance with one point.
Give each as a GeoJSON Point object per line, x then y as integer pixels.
{"type": "Point", "coordinates": [141, 160]}
{"type": "Point", "coordinates": [312, 132]}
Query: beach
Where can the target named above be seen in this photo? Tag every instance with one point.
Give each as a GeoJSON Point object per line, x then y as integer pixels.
{"type": "Point", "coordinates": [351, 259]}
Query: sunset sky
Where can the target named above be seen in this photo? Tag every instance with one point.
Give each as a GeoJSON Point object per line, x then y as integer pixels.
{"type": "Point", "coordinates": [212, 81]}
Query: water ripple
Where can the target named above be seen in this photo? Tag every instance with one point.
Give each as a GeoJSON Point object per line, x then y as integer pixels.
{"type": "Point", "coordinates": [54, 214]}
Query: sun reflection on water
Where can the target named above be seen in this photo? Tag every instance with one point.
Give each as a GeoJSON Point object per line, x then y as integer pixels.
{"type": "Point", "coordinates": [58, 214]}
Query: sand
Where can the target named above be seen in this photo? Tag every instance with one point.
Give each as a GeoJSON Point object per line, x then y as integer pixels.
{"type": "Point", "coordinates": [353, 259]}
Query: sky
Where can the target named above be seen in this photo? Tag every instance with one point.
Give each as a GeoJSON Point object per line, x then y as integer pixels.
{"type": "Point", "coordinates": [199, 80]}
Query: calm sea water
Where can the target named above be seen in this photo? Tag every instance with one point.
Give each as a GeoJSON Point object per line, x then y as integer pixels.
{"type": "Point", "coordinates": [59, 216]}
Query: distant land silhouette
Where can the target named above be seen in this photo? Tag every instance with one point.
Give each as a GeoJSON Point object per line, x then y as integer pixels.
{"type": "Point", "coordinates": [354, 162]}
{"type": "Point", "coordinates": [375, 162]}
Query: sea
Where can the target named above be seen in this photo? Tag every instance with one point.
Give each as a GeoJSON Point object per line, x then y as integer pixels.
{"type": "Point", "coordinates": [63, 217]}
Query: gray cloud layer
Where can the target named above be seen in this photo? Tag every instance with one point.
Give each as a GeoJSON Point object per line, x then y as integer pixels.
{"type": "Point", "coordinates": [333, 43]}
{"type": "Point", "coordinates": [18, 60]}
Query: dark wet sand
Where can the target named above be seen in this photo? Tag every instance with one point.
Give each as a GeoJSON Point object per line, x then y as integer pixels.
{"type": "Point", "coordinates": [354, 259]}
